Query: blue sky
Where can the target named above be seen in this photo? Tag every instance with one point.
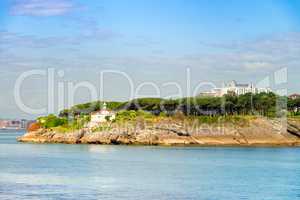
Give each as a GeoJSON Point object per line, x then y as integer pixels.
{"type": "Point", "coordinates": [150, 40]}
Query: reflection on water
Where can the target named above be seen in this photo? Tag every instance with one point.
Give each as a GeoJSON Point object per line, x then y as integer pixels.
{"type": "Point", "coordinates": [100, 149]}
{"type": "Point", "coordinates": [57, 171]}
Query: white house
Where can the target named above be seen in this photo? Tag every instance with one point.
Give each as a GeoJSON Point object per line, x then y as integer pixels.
{"type": "Point", "coordinates": [101, 116]}
{"type": "Point", "coordinates": [235, 88]}
{"type": "Point", "coordinates": [294, 96]}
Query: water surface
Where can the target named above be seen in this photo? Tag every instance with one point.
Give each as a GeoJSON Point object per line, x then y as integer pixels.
{"type": "Point", "coordinates": [58, 171]}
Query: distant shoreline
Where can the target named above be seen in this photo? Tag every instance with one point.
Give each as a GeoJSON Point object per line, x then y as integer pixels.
{"type": "Point", "coordinates": [12, 129]}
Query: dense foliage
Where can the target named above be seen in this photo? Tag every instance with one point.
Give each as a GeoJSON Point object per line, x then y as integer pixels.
{"type": "Point", "coordinates": [294, 106]}
{"type": "Point", "coordinates": [207, 109]}
{"type": "Point", "coordinates": [266, 104]}
{"type": "Point", "coordinates": [87, 108]}
{"type": "Point", "coordinates": [129, 115]}
{"type": "Point", "coordinates": [52, 121]}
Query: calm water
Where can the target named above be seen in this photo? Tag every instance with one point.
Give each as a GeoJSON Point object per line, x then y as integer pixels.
{"type": "Point", "coordinates": [33, 171]}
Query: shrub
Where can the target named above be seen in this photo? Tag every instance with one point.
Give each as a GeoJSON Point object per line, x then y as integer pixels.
{"type": "Point", "coordinates": [163, 114]}
{"type": "Point", "coordinates": [130, 115]}
{"type": "Point", "coordinates": [51, 121]}
{"type": "Point", "coordinates": [33, 127]}
{"type": "Point", "coordinates": [102, 127]}
{"type": "Point", "coordinates": [126, 115]}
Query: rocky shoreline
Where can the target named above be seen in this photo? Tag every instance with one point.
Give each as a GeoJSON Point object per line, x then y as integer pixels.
{"type": "Point", "coordinates": [258, 132]}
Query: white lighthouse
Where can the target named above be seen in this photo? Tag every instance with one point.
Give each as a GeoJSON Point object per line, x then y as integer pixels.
{"type": "Point", "coordinates": [101, 116]}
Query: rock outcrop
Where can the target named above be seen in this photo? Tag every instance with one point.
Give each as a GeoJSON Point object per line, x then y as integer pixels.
{"type": "Point", "coordinates": [258, 132]}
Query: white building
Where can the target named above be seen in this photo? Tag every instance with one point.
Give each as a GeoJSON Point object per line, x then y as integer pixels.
{"type": "Point", "coordinates": [101, 116]}
{"type": "Point", "coordinates": [233, 87]}
{"type": "Point", "coordinates": [294, 96]}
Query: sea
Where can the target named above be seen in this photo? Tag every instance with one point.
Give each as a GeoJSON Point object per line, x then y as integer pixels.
{"type": "Point", "coordinates": [59, 171]}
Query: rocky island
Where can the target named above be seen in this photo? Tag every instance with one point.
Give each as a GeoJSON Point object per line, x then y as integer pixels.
{"type": "Point", "coordinates": [145, 126]}
{"type": "Point", "coordinates": [255, 132]}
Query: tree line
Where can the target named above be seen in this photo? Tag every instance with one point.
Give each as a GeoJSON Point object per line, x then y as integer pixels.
{"type": "Point", "coordinates": [266, 104]}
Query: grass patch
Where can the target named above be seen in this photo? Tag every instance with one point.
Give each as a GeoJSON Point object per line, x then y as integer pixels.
{"type": "Point", "coordinates": [214, 120]}
{"type": "Point", "coordinates": [133, 115]}
{"type": "Point", "coordinates": [102, 127]}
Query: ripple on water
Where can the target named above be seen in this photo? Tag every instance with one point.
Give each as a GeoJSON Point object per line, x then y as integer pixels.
{"type": "Point", "coordinates": [35, 171]}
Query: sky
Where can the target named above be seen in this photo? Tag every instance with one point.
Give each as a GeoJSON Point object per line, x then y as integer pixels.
{"type": "Point", "coordinates": [151, 42]}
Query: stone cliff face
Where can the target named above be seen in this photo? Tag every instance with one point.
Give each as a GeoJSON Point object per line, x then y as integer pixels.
{"type": "Point", "coordinates": [258, 132]}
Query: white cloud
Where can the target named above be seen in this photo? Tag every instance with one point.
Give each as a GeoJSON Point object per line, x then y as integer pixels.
{"type": "Point", "coordinates": [258, 65]}
{"type": "Point", "coordinates": [42, 7]}
{"type": "Point", "coordinates": [243, 59]}
{"type": "Point", "coordinates": [13, 40]}
{"type": "Point", "coordinates": [262, 54]}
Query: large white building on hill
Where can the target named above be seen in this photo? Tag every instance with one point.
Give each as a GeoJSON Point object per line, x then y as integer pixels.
{"type": "Point", "coordinates": [233, 87]}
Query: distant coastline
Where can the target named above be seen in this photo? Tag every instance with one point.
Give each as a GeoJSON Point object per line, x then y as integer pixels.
{"type": "Point", "coordinates": [15, 124]}
{"type": "Point", "coordinates": [13, 129]}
